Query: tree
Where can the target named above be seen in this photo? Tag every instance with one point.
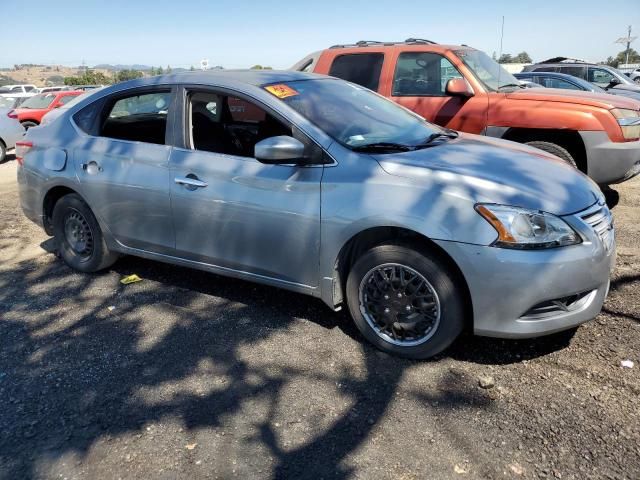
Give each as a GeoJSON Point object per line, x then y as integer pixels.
{"type": "Point", "coordinates": [522, 57]}
{"type": "Point", "coordinates": [505, 58]}
{"type": "Point", "coordinates": [88, 77]}
{"type": "Point", "coordinates": [159, 71]}
{"type": "Point", "coordinates": [168, 70]}
{"type": "Point", "coordinates": [152, 72]}
{"type": "Point", "coordinates": [124, 75]}
{"type": "Point", "coordinates": [191, 68]}
{"type": "Point", "coordinates": [256, 67]}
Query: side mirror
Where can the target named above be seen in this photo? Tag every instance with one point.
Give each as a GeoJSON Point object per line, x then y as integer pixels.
{"type": "Point", "coordinates": [614, 81]}
{"type": "Point", "coordinates": [281, 149]}
{"type": "Point", "coordinates": [459, 87]}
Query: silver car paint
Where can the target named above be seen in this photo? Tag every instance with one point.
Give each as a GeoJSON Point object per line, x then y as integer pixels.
{"type": "Point", "coordinates": [286, 226]}
{"type": "Point", "coordinates": [11, 130]}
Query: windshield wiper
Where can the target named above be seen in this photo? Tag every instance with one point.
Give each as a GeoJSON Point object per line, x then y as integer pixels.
{"type": "Point", "coordinates": [382, 146]}
{"type": "Point", "coordinates": [435, 136]}
{"type": "Point", "coordinates": [511, 85]}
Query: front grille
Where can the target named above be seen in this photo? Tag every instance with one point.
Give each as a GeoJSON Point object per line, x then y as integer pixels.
{"type": "Point", "coordinates": [599, 218]}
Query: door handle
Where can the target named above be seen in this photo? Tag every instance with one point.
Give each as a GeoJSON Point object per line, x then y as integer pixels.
{"type": "Point", "coordinates": [91, 167]}
{"type": "Point", "coordinates": [190, 182]}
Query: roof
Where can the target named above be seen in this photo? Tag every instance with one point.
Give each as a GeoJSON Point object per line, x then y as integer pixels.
{"type": "Point", "coordinates": [562, 60]}
{"type": "Point", "coordinates": [249, 77]}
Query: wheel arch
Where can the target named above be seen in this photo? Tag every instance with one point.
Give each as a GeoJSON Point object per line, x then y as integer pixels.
{"type": "Point", "coordinates": [49, 202]}
{"type": "Point", "coordinates": [371, 237]}
{"type": "Point", "coordinates": [568, 139]}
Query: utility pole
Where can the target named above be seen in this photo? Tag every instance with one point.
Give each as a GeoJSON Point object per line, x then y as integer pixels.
{"type": "Point", "coordinates": [626, 40]}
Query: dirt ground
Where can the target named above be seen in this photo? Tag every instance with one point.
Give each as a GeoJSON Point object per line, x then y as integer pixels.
{"type": "Point", "coordinates": [191, 375]}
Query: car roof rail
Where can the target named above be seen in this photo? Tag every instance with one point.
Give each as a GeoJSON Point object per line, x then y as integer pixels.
{"type": "Point", "coordinates": [420, 40]}
{"type": "Point", "coordinates": [563, 60]}
{"type": "Point", "coordinates": [372, 43]}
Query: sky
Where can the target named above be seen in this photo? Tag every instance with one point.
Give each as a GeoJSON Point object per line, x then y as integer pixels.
{"type": "Point", "coordinates": [242, 33]}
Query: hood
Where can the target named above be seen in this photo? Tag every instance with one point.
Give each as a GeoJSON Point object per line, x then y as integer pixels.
{"type": "Point", "coordinates": [627, 87]}
{"type": "Point", "coordinates": [485, 169]}
{"type": "Point", "coordinates": [594, 99]}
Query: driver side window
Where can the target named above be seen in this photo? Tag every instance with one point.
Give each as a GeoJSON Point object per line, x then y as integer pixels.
{"type": "Point", "coordinates": [422, 74]}
{"type": "Point", "coordinates": [229, 125]}
{"type": "Point", "coordinates": [600, 76]}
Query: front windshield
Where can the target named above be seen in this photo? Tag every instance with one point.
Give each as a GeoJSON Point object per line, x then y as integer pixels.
{"type": "Point", "coordinates": [39, 101]}
{"type": "Point", "coordinates": [353, 115]}
{"type": "Point", "coordinates": [487, 70]}
{"type": "Point", "coordinates": [622, 77]}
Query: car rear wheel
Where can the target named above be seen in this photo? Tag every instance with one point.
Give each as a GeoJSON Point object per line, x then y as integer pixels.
{"type": "Point", "coordinates": [78, 236]}
{"type": "Point", "coordinates": [554, 149]}
{"type": "Point", "coordinates": [404, 302]}
{"type": "Point", "coordinates": [28, 124]}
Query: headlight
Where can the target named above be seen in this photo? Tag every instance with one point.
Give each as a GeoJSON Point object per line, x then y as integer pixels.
{"type": "Point", "coordinates": [527, 229]}
{"type": "Point", "coordinates": [629, 121]}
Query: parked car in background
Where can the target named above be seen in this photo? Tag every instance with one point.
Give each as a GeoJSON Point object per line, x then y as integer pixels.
{"type": "Point", "coordinates": [13, 100]}
{"type": "Point", "coordinates": [635, 75]}
{"type": "Point", "coordinates": [462, 88]}
{"type": "Point", "coordinates": [51, 89]}
{"type": "Point", "coordinates": [31, 111]}
{"type": "Point", "coordinates": [18, 89]}
{"type": "Point", "coordinates": [569, 82]}
{"type": "Point", "coordinates": [223, 171]}
{"type": "Point", "coordinates": [11, 131]}
{"type": "Point", "coordinates": [603, 76]}
{"type": "Point", "coordinates": [51, 115]}
{"type": "Point", "coordinates": [85, 87]}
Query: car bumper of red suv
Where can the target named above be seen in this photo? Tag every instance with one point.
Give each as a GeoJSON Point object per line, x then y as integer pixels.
{"type": "Point", "coordinates": [610, 162]}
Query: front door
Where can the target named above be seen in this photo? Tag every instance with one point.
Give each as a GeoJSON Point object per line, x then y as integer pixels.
{"type": "Point", "coordinates": [234, 212]}
{"type": "Point", "coordinates": [419, 84]}
{"type": "Point", "coordinates": [124, 170]}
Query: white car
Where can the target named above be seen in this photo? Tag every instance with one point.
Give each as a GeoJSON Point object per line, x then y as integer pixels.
{"type": "Point", "coordinates": [13, 100]}
{"type": "Point", "coordinates": [11, 131]}
{"type": "Point", "coordinates": [18, 89]}
{"type": "Point", "coordinates": [57, 88]}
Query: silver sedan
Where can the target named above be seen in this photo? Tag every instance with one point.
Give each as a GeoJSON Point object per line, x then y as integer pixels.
{"type": "Point", "coordinates": [11, 131]}
{"type": "Point", "coordinates": [320, 186]}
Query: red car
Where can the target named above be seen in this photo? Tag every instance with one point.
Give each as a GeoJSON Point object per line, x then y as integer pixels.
{"type": "Point", "coordinates": [33, 109]}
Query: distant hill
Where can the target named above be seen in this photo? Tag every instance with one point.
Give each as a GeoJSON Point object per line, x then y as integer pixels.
{"type": "Point", "coordinates": [135, 66]}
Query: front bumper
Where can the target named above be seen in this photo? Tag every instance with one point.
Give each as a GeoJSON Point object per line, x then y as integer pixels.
{"type": "Point", "coordinates": [610, 162]}
{"type": "Point", "coordinates": [505, 285]}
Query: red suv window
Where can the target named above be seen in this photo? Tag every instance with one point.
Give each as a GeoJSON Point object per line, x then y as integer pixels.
{"type": "Point", "coordinates": [361, 68]}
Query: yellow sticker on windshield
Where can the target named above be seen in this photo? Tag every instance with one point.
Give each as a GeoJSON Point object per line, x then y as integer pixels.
{"type": "Point", "coordinates": [281, 90]}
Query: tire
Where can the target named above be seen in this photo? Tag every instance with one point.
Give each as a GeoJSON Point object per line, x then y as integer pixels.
{"type": "Point", "coordinates": [440, 293]}
{"type": "Point", "coordinates": [27, 124]}
{"type": "Point", "coordinates": [87, 252]}
{"type": "Point", "coordinates": [554, 149]}
{"type": "Point", "coordinates": [637, 80]}
{"type": "Point", "coordinates": [3, 151]}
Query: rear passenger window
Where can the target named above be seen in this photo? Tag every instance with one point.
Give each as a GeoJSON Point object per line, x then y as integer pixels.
{"type": "Point", "coordinates": [574, 71]}
{"type": "Point", "coordinates": [422, 73]}
{"type": "Point", "coordinates": [139, 118]}
{"type": "Point", "coordinates": [361, 68]}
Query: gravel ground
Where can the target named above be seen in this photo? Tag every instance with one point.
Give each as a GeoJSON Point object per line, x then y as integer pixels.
{"type": "Point", "coordinates": [188, 374]}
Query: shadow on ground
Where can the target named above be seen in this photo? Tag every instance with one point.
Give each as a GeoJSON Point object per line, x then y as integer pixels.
{"type": "Point", "coordinates": [71, 370]}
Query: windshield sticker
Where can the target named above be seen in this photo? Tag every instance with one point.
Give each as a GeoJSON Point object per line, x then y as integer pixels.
{"type": "Point", "coordinates": [281, 90]}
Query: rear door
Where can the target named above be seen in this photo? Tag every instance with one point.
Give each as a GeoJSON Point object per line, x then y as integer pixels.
{"type": "Point", "coordinates": [123, 166]}
{"type": "Point", "coordinates": [419, 84]}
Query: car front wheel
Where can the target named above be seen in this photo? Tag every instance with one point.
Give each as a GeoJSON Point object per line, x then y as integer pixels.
{"type": "Point", "coordinates": [404, 302]}
{"type": "Point", "coordinates": [78, 236]}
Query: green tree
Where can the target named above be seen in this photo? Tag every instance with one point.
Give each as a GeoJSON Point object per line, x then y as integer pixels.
{"type": "Point", "coordinates": [124, 75]}
{"type": "Point", "coordinates": [159, 71]}
{"type": "Point", "coordinates": [168, 70]}
{"type": "Point", "coordinates": [505, 58]}
{"type": "Point", "coordinates": [88, 77]}
{"type": "Point", "coordinates": [152, 72]}
{"type": "Point", "coordinates": [522, 57]}
{"type": "Point", "coordinates": [256, 67]}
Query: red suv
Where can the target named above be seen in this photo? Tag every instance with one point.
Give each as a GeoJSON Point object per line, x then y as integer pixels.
{"type": "Point", "coordinates": [462, 88]}
{"type": "Point", "coordinates": [33, 109]}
